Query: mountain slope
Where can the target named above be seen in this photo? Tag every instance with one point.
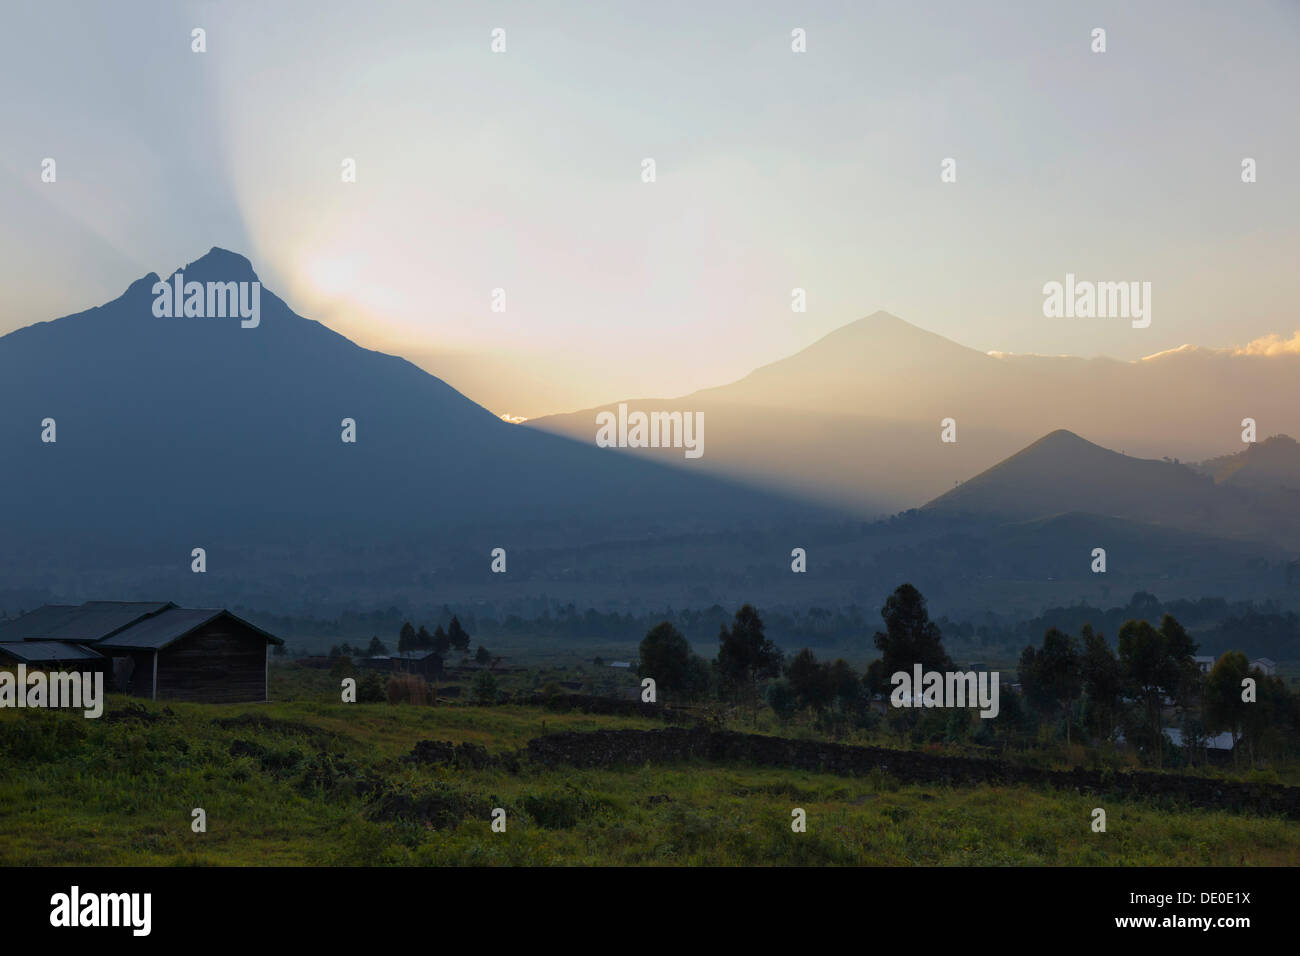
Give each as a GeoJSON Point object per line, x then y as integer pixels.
{"type": "Point", "coordinates": [854, 418]}
{"type": "Point", "coordinates": [1273, 464]}
{"type": "Point", "coordinates": [1062, 473]}
{"type": "Point", "coordinates": [178, 432]}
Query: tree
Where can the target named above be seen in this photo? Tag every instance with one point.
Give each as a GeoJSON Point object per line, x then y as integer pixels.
{"type": "Point", "coordinates": [485, 688]}
{"type": "Point", "coordinates": [909, 638]}
{"type": "Point", "coordinates": [846, 687]}
{"type": "Point", "coordinates": [1271, 721]}
{"type": "Point", "coordinates": [810, 680]}
{"type": "Point", "coordinates": [458, 636]}
{"type": "Point", "coordinates": [746, 656]}
{"type": "Point", "coordinates": [423, 639]}
{"type": "Point", "coordinates": [1155, 664]}
{"type": "Point", "coordinates": [483, 655]}
{"type": "Point", "coordinates": [665, 656]}
{"type": "Point", "coordinates": [1053, 672]}
{"type": "Point", "coordinates": [335, 651]}
{"type": "Point", "coordinates": [1224, 708]}
{"type": "Point", "coordinates": [782, 699]}
{"type": "Point", "coordinates": [1036, 694]}
{"type": "Point", "coordinates": [1103, 684]}
{"type": "Point", "coordinates": [372, 689]}
{"type": "Point", "coordinates": [406, 638]}
{"type": "Point", "coordinates": [441, 642]}
{"type": "Point", "coordinates": [376, 648]}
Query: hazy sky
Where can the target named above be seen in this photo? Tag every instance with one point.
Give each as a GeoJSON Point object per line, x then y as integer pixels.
{"type": "Point", "coordinates": [522, 170]}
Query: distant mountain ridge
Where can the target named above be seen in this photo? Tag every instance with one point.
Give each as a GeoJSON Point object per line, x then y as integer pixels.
{"type": "Point", "coordinates": [854, 419]}
{"type": "Point", "coordinates": [183, 433]}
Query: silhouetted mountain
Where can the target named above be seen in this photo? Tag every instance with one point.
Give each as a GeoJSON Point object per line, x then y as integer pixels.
{"type": "Point", "coordinates": [174, 433]}
{"type": "Point", "coordinates": [1062, 472]}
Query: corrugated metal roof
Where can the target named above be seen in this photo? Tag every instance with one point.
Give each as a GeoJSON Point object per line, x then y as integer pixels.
{"type": "Point", "coordinates": [116, 624]}
{"type": "Point", "coordinates": [33, 651]}
{"type": "Point", "coordinates": [84, 622]}
{"type": "Point", "coordinates": [161, 629]}
{"type": "Point", "coordinates": [36, 622]}
{"type": "Point", "coordinates": [171, 625]}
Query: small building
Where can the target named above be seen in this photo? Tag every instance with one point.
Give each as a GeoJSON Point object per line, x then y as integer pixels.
{"type": "Point", "coordinates": [1206, 664]}
{"type": "Point", "coordinates": [154, 650]}
{"type": "Point", "coordinates": [1265, 664]}
{"type": "Point", "coordinates": [1223, 741]}
{"type": "Point", "coordinates": [427, 664]}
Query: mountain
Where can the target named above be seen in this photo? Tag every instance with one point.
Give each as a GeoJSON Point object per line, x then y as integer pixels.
{"type": "Point", "coordinates": [176, 433]}
{"type": "Point", "coordinates": [830, 423]}
{"type": "Point", "coordinates": [853, 420]}
{"type": "Point", "coordinates": [1062, 473]}
{"type": "Point", "coordinates": [1273, 464]}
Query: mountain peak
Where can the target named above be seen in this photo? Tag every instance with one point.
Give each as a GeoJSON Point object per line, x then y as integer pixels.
{"type": "Point", "coordinates": [1062, 439]}
{"type": "Point", "coordinates": [876, 321]}
{"type": "Point", "coordinates": [1063, 472]}
{"type": "Point", "coordinates": [220, 265]}
{"type": "Point", "coordinates": [142, 286]}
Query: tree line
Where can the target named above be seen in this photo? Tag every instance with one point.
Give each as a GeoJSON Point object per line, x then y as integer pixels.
{"type": "Point", "coordinates": [411, 640]}
{"type": "Point", "coordinates": [1080, 685]}
{"type": "Point", "coordinates": [1104, 694]}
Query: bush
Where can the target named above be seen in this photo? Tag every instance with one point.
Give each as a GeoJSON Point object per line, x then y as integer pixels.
{"type": "Point", "coordinates": [485, 688]}
{"type": "Point", "coordinates": [371, 689]}
{"type": "Point", "coordinates": [557, 810]}
{"type": "Point", "coordinates": [410, 689]}
{"type": "Point", "coordinates": [782, 699]}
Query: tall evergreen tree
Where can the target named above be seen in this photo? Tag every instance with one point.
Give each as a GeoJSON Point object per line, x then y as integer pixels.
{"type": "Point", "coordinates": [746, 656]}
{"type": "Point", "coordinates": [458, 636]}
{"type": "Point", "coordinates": [909, 638]}
{"type": "Point", "coordinates": [406, 638]}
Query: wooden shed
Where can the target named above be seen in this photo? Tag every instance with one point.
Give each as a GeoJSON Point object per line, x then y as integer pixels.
{"type": "Point", "coordinates": [159, 651]}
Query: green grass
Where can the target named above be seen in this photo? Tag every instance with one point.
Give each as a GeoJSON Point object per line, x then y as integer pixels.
{"type": "Point", "coordinates": [101, 792]}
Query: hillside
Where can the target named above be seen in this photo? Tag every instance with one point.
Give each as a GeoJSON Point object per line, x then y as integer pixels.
{"type": "Point", "coordinates": [175, 433]}
{"type": "Point", "coordinates": [1272, 465]}
{"type": "Point", "coordinates": [1063, 472]}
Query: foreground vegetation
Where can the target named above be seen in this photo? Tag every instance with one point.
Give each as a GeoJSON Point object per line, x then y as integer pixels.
{"type": "Point", "coordinates": [313, 782]}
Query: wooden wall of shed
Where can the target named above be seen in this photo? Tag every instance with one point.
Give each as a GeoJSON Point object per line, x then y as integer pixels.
{"type": "Point", "coordinates": [222, 662]}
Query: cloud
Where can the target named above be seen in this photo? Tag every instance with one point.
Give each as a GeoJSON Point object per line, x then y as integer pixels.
{"type": "Point", "coordinates": [1272, 344]}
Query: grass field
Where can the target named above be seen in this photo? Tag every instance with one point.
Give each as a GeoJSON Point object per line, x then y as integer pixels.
{"type": "Point", "coordinates": [310, 782]}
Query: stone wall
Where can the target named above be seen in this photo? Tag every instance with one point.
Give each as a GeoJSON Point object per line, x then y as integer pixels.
{"type": "Point", "coordinates": [610, 748]}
